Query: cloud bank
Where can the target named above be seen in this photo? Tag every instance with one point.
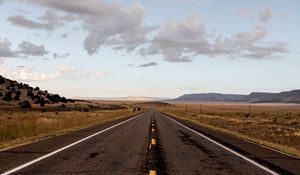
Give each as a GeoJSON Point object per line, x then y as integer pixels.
{"type": "Point", "coordinates": [26, 49]}
{"type": "Point", "coordinates": [22, 73]}
{"type": "Point", "coordinates": [49, 21]}
{"type": "Point", "coordinates": [5, 50]}
{"type": "Point", "coordinates": [121, 28]}
{"type": "Point", "coordinates": [107, 24]}
{"type": "Point", "coordinates": [180, 40]}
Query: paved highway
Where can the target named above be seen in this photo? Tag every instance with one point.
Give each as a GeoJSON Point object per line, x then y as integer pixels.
{"type": "Point", "coordinates": [150, 143]}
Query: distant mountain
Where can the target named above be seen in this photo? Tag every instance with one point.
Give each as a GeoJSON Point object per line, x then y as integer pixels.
{"type": "Point", "coordinates": [129, 98]}
{"type": "Point", "coordinates": [255, 97]}
{"type": "Point", "coordinates": [285, 97]}
{"type": "Point", "coordinates": [211, 97]}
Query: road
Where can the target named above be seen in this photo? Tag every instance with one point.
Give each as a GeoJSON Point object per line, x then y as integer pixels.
{"type": "Point", "coordinates": [150, 142]}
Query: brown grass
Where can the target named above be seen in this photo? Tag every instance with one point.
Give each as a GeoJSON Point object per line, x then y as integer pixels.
{"type": "Point", "coordinates": [21, 127]}
{"type": "Point", "coordinates": [276, 126]}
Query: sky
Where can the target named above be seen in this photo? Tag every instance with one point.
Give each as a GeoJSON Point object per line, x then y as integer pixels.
{"type": "Point", "coordinates": [158, 48]}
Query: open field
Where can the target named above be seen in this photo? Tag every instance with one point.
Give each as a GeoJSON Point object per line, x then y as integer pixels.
{"type": "Point", "coordinates": [272, 125]}
{"type": "Point", "coordinates": [19, 126]}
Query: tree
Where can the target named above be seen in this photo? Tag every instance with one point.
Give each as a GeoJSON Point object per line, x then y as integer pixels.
{"type": "Point", "coordinates": [2, 80]}
{"type": "Point", "coordinates": [40, 101]}
{"type": "Point", "coordinates": [7, 96]}
{"type": "Point", "coordinates": [42, 104]}
{"type": "Point", "coordinates": [25, 104]}
{"type": "Point", "coordinates": [16, 98]}
{"type": "Point", "coordinates": [30, 94]}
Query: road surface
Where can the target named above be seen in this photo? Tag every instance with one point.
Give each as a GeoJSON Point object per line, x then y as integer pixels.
{"type": "Point", "coordinates": [146, 144]}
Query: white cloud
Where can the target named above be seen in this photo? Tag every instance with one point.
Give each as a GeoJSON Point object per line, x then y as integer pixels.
{"type": "Point", "coordinates": [28, 74]}
{"type": "Point", "coordinates": [48, 21]}
{"type": "Point", "coordinates": [57, 56]}
{"type": "Point", "coordinates": [266, 14]}
{"type": "Point", "coordinates": [1, 1]}
{"type": "Point", "coordinates": [107, 24]}
{"type": "Point", "coordinates": [121, 27]}
{"type": "Point", "coordinates": [26, 49]}
{"type": "Point", "coordinates": [22, 73]}
{"type": "Point", "coordinates": [29, 49]}
{"type": "Point", "coordinates": [245, 39]}
{"type": "Point", "coordinates": [5, 50]}
{"type": "Point", "coordinates": [179, 40]}
{"type": "Point", "coordinates": [66, 69]}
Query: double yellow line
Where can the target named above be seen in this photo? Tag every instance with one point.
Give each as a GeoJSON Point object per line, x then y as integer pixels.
{"type": "Point", "coordinates": [153, 143]}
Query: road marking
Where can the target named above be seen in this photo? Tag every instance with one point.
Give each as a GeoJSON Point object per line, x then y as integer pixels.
{"type": "Point", "coordinates": [65, 147]}
{"type": "Point", "coordinates": [153, 141]}
{"type": "Point", "coordinates": [226, 148]}
{"type": "Point", "coordinates": [150, 146]}
{"type": "Point", "coordinates": [152, 130]}
{"type": "Point", "coordinates": [152, 172]}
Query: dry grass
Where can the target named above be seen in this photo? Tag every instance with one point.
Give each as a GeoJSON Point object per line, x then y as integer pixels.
{"type": "Point", "coordinates": [22, 127]}
{"type": "Point", "coordinates": [276, 126]}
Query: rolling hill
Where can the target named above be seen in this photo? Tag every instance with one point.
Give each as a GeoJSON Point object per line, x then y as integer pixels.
{"type": "Point", "coordinates": [23, 95]}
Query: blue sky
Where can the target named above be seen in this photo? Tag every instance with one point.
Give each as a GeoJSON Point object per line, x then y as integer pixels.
{"type": "Point", "coordinates": [99, 48]}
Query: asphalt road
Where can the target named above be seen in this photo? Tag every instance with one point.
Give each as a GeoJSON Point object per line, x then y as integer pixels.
{"type": "Point", "coordinates": [150, 141]}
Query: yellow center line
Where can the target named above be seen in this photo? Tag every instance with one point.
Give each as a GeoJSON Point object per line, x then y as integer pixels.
{"type": "Point", "coordinates": [153, 141]}
{"type": "Point", "coordinates": [152, 172]}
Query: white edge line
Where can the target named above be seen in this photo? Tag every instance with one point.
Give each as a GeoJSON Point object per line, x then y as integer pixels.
{"type": "Point", "coordinates": [63, 148]}
{"type": "Point", "coordinates": [228, 149]}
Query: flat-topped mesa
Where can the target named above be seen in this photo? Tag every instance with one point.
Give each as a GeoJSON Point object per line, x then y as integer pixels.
{"type": "Point", "coordinates": [292, 96]}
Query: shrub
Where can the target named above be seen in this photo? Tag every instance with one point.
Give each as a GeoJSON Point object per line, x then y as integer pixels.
{"type": "Point", "coordinates": [36, 97]}
{"type": "Point", "coordinates": [41, 101]}
{"type": "Point", "coordinates": [2, 80]}
{"type": "Point", "coordinates": [18, 93]}
{"type": "Point", "coordinates": [7, 96]}
{"type": "Point", "coordinates": [30, 94]}
{"type": "Point", "coordinates": [25, 104]}
{"type": "Point", "coordinates": [20, 86]}
{"type": "Point", "coordinates": [42, 104]}
{"type": "Point", "coordinates": [25, 86]}
{"type": "Point", "coordinates": [16, 98]}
